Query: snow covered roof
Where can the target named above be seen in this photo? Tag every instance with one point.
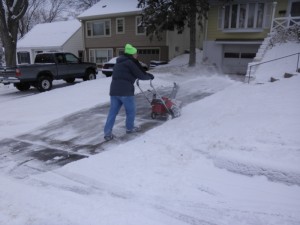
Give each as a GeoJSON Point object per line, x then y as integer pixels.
{"type": "Point", "coordinates": [110, 7]}
{"type": "Point", "coordinates": [49, 34]}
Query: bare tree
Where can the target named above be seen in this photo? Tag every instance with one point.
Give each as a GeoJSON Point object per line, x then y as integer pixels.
{"type": "Point", "coordinates": [32, 16]}
{"type": "Point", "coordinates": [11, 11]}
{"type": "Point", "coordinates": [54, 11]}
{"type": "Point", "coordinates": [17, 17]}
{"type": "Point", "coordinates": [47, 11]}
{"type": "Point", "coordinates": [43, 11]}
{"type": "Point", "coordinates": [81, 5]}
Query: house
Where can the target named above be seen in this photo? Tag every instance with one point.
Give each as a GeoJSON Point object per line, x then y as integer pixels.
{"type": "Point", "coordinates": [237, 29]}
{"type": "Point", "coordinates": [109, 25]}
{"type": "Point", "coordinates": [57, 36]}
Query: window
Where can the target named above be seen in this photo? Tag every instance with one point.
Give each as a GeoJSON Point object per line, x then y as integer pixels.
{"type": "Point", "coordinates": [238, 55]}
{"type": "Point", "coordinates": [120, 26]}
{"type": "Point", "coordinates": [260, 14]}
{"type": "Point", "coordinates": [100, 56]}
{"type": "Point", "coordinates": [80, 55]}
{"type": "Point", "coordinates": [98, 28]}
{"type": "Point", "coordinates": [23, 57]}
{"type": "Point", "coordinates": [139, 26]}
{"type": "Point", "coordinates": [242, 16]}
{"type": "Point", "coordinates": [60, 58]}
{"type": "Point", "coordinates": [44, 58]}
{"type": "Point", "coordinates": [70, 58]}
{"type": "Point", "coordinates": [248, 55]}
{"type": "Point", "coordinates": [295, 9]}
{"type": "Point", "coordinates": [251, 15]}
{"type": "Point", "coordinates": [148, 51]}
{"type": "Point", "coordinates": [239, 17]}
{"type": "Point", "coordinates": [231, 55]}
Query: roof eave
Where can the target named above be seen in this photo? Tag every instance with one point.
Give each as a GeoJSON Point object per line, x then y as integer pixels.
{"type": "Point", "coordinates": [109, 15]}
{"type": "Point", "coordinates": [38, 47]}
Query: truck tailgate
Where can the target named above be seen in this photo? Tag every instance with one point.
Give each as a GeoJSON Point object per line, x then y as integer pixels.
{"type": "Point", "coordinates": [8, 75]}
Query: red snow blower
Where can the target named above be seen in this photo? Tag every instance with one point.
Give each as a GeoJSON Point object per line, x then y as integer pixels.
{"type": "Point", "coordinates": [163, 106]}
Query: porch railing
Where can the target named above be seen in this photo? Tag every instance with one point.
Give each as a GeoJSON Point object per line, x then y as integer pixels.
{"type": "Point", "coordinates": [285, 22]}
{"type": "Point", "coordinates": [257, 64]}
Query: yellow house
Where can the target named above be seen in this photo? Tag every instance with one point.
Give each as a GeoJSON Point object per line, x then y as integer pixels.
{"type": "Point", "coordinates": [236, 30]}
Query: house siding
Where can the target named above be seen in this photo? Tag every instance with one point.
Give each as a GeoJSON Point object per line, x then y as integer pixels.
{"type": "Point", "coordinates": [117, 41]}
{"type": "Point", "coordinates": [74, 44]}
{"type": "Point", "coordinates": [171, 45]}
{"type": "Point", "coordinates": [281, 6]}
{"type": "Point", "coordinates": [219, 44]}
{"type": "Point", "coordinates": [121, 39]}
{"type": "Point", "coordinates": [214, 33]}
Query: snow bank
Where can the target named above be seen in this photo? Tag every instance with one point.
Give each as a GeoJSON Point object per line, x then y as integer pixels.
{"type": "Point", "coordinates": [278, 67]}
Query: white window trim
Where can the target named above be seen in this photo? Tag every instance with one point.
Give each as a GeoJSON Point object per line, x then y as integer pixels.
{"type": "Point", "coordinates": [136, 26]}
{"type": "Point", "coordinates": [123, 19]}
{"type": "Point", "coordinates": [97, 36]}
{"type": "Point", "coordinates": [221, 14]}
{"type": "Point", "coordinates": [94, 53]}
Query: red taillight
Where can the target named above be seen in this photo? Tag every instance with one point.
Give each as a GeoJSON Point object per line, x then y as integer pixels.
{"type": "Point", "coordinates": [18, 72]}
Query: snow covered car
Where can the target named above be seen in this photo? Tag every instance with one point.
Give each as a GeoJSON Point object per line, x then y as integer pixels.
{"type": "Point", "coordinates": [107, 68]}
{"type": "Point", "coordinates": [155, 63]}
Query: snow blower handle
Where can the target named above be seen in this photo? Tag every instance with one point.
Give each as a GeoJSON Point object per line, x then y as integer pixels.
{"type": "Point", "coordinates": [138, 84]}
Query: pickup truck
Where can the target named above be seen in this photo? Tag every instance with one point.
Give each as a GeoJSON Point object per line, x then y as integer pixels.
{"type": "Point", "coordinates": [46, 68]}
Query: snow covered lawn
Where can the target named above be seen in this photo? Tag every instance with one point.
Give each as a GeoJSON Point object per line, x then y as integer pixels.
{"type": "Point", "coordinates": [231, 158]}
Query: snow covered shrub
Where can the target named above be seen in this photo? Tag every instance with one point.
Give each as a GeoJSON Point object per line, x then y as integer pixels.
{"type": "Point", "coordinates": [283, 35]}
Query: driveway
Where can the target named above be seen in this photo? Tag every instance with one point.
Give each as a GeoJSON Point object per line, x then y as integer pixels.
{"type": "Point", "coordinates": [76, 136]}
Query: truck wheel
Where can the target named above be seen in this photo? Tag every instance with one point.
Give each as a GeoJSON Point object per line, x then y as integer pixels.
{"type": "Point", "coordinates": [70, 80]}
{"type": "Point", "coordinates": [44, 84]}
{"type": "Point", "coordinates": [22, 86]}
{"type": "Point", "coordinates": [90, 75]}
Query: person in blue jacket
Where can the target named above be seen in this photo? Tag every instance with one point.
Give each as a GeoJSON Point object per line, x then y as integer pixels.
{"type": "Point", "coordinates": [125, 73]}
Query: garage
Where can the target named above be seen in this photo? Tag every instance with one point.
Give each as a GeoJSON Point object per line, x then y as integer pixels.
{"type": "Point", "coordinates": [145, 54]}
{"type": "Point", "coordinates": [237, 56]}
{"type": "Point", "coordinates": [148, 54]}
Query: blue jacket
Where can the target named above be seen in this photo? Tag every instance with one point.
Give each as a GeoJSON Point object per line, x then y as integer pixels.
{"type": "Point", "coordinates": [125, 73]}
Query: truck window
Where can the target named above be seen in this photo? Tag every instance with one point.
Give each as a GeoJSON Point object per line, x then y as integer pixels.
{"type": "Point", "coordinates": [44, 58]}
{"type": "Point", "coordinates": [23, 57]}
{"type": "Point", "coordinates": [60, 58]}
{"type": "Point", "coordinates": [70, 58]}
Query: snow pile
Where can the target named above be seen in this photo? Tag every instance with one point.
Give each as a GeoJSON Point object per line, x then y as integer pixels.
{"type": "Point", "coordinates": [290, 62]}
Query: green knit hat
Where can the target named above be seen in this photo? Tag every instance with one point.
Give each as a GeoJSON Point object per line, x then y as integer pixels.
{"type": "Point", "coordinates": [129, 49]}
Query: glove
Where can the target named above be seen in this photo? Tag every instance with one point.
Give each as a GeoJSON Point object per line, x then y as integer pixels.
{"type": "Point", "coordinates": [151, 76]}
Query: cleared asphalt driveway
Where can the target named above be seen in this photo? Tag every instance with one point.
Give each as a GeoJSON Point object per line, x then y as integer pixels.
{"type": "Point", "coordinates": [75, 137]}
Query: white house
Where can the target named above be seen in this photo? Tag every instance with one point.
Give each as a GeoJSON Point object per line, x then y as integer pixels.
{"type": "Point", "coordinates": [57, 36]}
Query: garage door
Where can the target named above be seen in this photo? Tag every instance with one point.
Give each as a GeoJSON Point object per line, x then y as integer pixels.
{"type": "Point", "coordinates": [145, 54]}
{"type": "Point", "coordinates": [237, 57]}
